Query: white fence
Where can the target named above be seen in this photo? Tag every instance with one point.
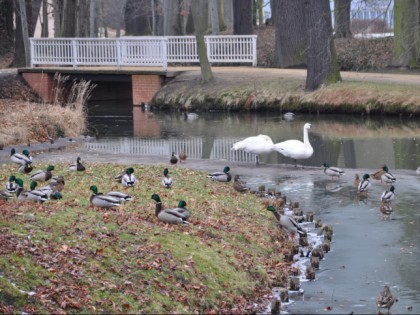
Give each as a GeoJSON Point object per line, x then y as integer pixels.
{"type": "Point", "coordinates": [141, 51]}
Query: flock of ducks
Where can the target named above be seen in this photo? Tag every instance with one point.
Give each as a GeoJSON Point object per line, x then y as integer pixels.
{"type": "Point", "coordinates": [261, 144]}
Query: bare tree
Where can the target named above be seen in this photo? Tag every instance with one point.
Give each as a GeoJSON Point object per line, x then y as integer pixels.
{"type": "Point", "coordinates": [214, 17]}
{"type": "Point", "coordinates": [242, 17]}
{"type": "Point", "coordinates": [290, 36]}
{"type": "Point", "coordinates": [322, 59]}
{"type": "Point", "coordinates": [25, 33]}
{"type": "Point", "coordinates": [68, 18]}
{"type": "Point", "coordinates": [406, 34]}
{"type": "Point", "coordinates": [199, 9]}
{"type": "Point", "coordinates": [342, 18]}
{"type": "Point", "coordinates": [228, 13]}
{"type": "Point", "coordinates": [6, 26]}
{"type": "Point", "coordinates": [44, 23]}
{"type": "Point", "coordinates": [171, 24]}
{"type": "Point", "coordinates": [57, 11]}
{"type": "Point", "coordinates": [92, 19]}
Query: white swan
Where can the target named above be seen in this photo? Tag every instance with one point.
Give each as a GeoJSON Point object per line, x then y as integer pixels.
{"type": "Point", "coordinates": [260, 144]}
{"type": "Point", "coordinates": [296, 149]}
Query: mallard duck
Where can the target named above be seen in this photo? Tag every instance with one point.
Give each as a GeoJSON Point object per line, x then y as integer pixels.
{"type": "Point", "coordinates": [332, 171]}
{"type": "Point", "coordinates": [5, 195]}
{"type": "Point", "coordinates": [385, 299]}
{"type": "Point", "coordinates": [11, 186]}
{"type": "Point", "coordinates": [388, 195]}
{"type": "Point", "coordinates": [333, 187]}
{"type": "Point", "coordinates": [29, 195]}
{"type": "Point", "coordinates": [418, 170]}
{"type": "Point", "coordinates": [378, 174]}
{"type": "Point", "coordinates": [260, 144]}
{"type": "Point", "coordinates": [100, 200]}
{"type": "Point", "coordinates": [18, 158]}
{"type": "Point", "coordinates": [173, 160]}
{"type": "Point", "coordinates": [182, 156]}
{"type": "Point", "coordinates": [42, 176]}
{"type": "Point", "coordinates": [296, 149]}
{"type": "Point", "coordinates": [364, 185]}
{"type": "Point", "coordinates": [221, 176]}
{"type": "Point", "coordinates": [286, 222]}
{"type": "Point", "coordinates": [387, 177]}
{"type": "Point", "coordinates": [78, 166]}
{"type": "Point", "coordinates": [172, 215]}
{"type": "Point", "coordinates": [57, 183]}
{"type": "Point", "coordinates": [118, 178]}
{"type": "Point", "coordinates": [356, 181]}
{"type": "Point", "coordinates": [56, 195]}
{"type": "Point", "coordinates": [129, 179]}
{"type": "Point", "coordinates": [121, 197]}
{"type": "Point", "coordinates": [239, 185]}
{"type": "Point", "coordinates": [27, 168]}
{"type": "Point", "coordinates": [167, 181]}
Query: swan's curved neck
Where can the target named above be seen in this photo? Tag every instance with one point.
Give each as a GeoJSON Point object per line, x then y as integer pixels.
{"type": "Point", "coordinates": [305, 136]}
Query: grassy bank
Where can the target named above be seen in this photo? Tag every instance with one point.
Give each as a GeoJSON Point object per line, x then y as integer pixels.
{"type": "Point", "coordinates": [78, 259]}
{"type": "Point", "coordinates": [288, 94]}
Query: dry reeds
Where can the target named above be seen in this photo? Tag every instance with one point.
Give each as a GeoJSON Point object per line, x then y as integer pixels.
{"type": "Point", "coordinates": [23, 122]}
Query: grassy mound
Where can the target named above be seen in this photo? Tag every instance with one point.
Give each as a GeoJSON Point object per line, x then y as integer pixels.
{"type": "Point", "coordinates": [74, 258]}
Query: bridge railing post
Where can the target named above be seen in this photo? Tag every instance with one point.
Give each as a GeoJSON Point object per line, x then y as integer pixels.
{"type": "Point", "coordinates": [254, 50]}
{"type": "Point", "coordinates": [74, 53]}
{"type": "Point", "coordinates": [207, 43]}
{"type": "Point", "coordinates": [164, 46]}
{"type": "Point", "coordinates": [119, 57]}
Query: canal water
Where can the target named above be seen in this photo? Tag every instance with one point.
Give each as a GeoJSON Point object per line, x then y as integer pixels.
{"type": "Point", "coordinates": [366, 251]}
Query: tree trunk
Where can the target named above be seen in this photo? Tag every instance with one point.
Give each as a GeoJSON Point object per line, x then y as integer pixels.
{"type": "Point", "coordinates": [242, 17]}
{"type": "Point", "coordinates": [92, 19]}
{"type": "Point", "coordinates": [25, 32]}
{"type": "Point", "coordinates": [20, 57]}
{"type": "Point", "coordinates": [214, 18]}
{"type": "Point", "coordinates": [273, 12]}
{"type": "Point", "coordinates": [290, 36]}
{"type": "Point", "coordinates": [68, 22]}
{"type": "Point", "coordinates": [259, 9]}
{"type": "Point", "coordinates": [35, 9]}
{"type": "Point", "coordinates": [137, 17]}
{"type": "Point", "coordinates": [6, 26]}
{"type": "Point", "coordinates": [228, 14]}
{"type": "Point", "coordinates": [342, 19]}
{"type": "Point", "coordinates": [171, 25]}
{"type": "Point", "coordinates": [199, 9]}
{"type": "Point", "coordinates": [222, 23]}
{"type": "Point", "coordinates": [322, 59]}
{"type": "Point", "coordinates": [44, 25]}
{"type": "Point", "coordinates": [58, 9]}
{"type": "Point", "coordinates": [406, 33]}
{"type": "Point", "coordinates": [83, 18]}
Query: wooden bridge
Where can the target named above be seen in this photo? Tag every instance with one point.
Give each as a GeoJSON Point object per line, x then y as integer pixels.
{"type": "Point", "coordinates": [140, 61]}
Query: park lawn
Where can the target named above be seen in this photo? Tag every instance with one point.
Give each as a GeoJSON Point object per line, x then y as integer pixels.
{"type": "Point", "coordinates": [67, 257]}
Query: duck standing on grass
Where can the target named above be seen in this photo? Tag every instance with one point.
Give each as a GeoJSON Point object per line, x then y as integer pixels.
{"type": "Point", "coordinates": [221, 176]}
{"type": "Point", "coordinates": [239, 185]}
{"type": "Point", "coordinates": [78, 166]}
{"type": "Point", "coordinates": [177, 215]}
{"type": "Point", "coordinates": [287, 223]}
{"type": "Point", "coordinates": [167, 181]}
{"type": "Point", "coordinates": [27, 168]}
{"type": "Point", "coordinates": [129, 179]}
{"type": "Point", "coordinates": [100, 200]}
{"type": "Point", "coordinates": [42, 176]}
{"type": "Point", "coordinates": [385, 299]}
{"type": "Point", "coordinates": [182, 156]}
{"type": "Point", "coordinates": [364, 185]}
{"type": "Point", "coordinates": [332, 171]}
{"type": "Point", "coordinates": [173, 160]}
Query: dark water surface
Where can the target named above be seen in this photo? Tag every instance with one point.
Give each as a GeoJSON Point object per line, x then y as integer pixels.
{"type": "Point", "coordinates": [366, 252]}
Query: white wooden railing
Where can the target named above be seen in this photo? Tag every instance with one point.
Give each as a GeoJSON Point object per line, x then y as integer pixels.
{"type": "Point", "coordinates": [141, 51]}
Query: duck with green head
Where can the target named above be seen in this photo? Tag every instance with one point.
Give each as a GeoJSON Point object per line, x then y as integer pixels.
{"type": "Point", "coordinates": [11, 186]}
{"type": "Point", "coordinates": [129, 179]}
{"type": "Point", "coordinates": [20, 159]}
{"type": "Point", "coordinates": [364, 184]}
{"type": "Point", "coordinates": [332, 171]}
{"type": "Point", "coordinates": [27, 168]}
{"type": "Point", "coordinates": [387, 177]}
{"type": "Point", "coordinates": [100, 200]}
{"type": "Point", "coordinates": [42, 176]}
{"type": "Point", "coordinates": [287, 223]}
{"type": "Point", "coordinates": [221, 176]}
{"type": "Point", "coordinates": [178, 215]}
{"type": "Point", "coordinates": [29, 195]}
{"type": "Point", "coordinates": [78, 166]}
{"type": "Point", "coordinates": [121, 197]}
